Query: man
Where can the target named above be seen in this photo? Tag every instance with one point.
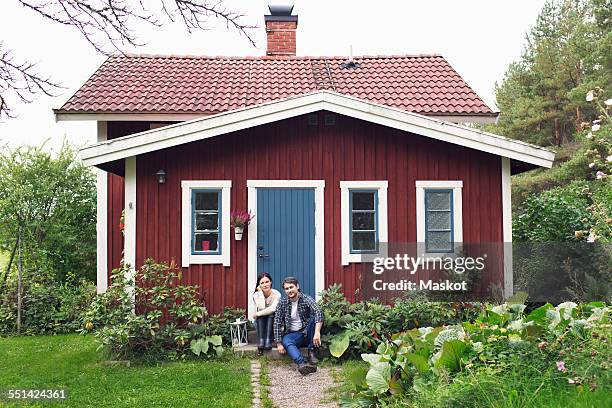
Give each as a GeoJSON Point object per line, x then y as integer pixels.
{"type": "Point", "coordinates": [297, 323]}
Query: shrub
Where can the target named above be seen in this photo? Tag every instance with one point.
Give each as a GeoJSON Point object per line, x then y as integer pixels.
{"type": "Point", "coordinates": [361, 327]}
{"type": "Point", "coordinates": [158, 318]}
{"type": "Point", "coordinates": [567, 345]}
{"type": "Point", "coordinates": [48, 307]}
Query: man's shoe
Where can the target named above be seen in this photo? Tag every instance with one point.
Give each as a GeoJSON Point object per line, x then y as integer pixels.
{"type": "Point", "coordinates": [312, 357]}
{"type": "Point", "coordinates": [306, 369]}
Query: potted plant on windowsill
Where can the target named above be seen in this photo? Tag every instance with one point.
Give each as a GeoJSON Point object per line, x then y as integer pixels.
{"type": "Point", "coordinates": [239, 220]}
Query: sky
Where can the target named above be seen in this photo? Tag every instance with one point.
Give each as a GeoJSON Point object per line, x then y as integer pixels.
{"type": "Point", "coordinates": [479, 38]}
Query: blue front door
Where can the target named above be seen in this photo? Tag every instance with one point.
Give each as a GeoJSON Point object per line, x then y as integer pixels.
{"type": "Point", "coordinates": [285, 235]}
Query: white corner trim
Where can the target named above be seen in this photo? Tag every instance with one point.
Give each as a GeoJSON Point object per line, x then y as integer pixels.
{"type": "Point", "coordinates": [345, 217]}
{"type": "Point", "coordinates": [101, 218]}
{"type": "Point", "coordinates": [243, 118]}
{"type": "Point", "coordinates": [187, 258]}
{"type": "Point", "coordinates": [457, 187]}
{"type": "Point", "coordinates": [101, 230]}
{"type": "Point", "coordinates": [129, 237]}
{"type": "Point", "coordinates": [506, 186]}
{"type": "Point", "coordinates": [319, 187]}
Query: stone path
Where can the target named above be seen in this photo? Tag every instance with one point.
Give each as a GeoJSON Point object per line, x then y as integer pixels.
{"type": "Point", "coordinates": [288, 388]}
{"type": "Point", "coordinates": [255, 386]}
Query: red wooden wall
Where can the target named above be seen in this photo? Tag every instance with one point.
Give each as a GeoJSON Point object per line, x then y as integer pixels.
{"type": "Point", "coordinates": [292, 149]}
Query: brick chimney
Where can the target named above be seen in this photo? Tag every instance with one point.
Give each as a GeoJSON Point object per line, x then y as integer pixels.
{"type": "Point", "coordinates": [281, 30]}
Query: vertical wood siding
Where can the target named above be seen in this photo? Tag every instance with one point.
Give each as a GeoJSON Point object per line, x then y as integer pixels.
{"type": "Point", "coordinates": [291, 149]}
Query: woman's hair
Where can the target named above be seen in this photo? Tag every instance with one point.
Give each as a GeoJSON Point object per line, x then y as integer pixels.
{"type": "Point", "coordinates": [260, 277]}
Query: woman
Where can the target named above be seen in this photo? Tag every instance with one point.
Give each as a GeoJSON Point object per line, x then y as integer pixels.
{"type": "Point", "coordinates": [266, 299]}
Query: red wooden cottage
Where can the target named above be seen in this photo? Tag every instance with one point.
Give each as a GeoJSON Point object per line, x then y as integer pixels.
{"type": "Point", "coordinates": [335, 157]}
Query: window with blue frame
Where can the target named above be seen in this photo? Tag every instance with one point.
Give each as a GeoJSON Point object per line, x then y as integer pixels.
{"type": "Point", "coordinates": [364, 221]}
{"type": "Point", "coordinates": [206, 222]}
{"type": "Point", "coordinates": [439, 220]}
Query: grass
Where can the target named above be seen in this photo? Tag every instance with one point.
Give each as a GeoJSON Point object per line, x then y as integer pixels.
{"type": "Point", "coordinates": [71, 362]}
{"type": "Point", "coordinates": [264, 381]}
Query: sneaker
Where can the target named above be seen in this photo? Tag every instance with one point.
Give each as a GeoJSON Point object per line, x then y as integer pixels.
{"type": "Point", "coordinates": [312, 357]}
{"type": "Point", "coordinates": [306, 369]}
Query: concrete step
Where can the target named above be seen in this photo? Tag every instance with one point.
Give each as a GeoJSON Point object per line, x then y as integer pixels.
{"type": "Point", "coordinates": [251, 349]}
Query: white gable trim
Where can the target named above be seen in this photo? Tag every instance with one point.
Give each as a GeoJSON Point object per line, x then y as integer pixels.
{"type": "Point", "coordinates": [244, 118]}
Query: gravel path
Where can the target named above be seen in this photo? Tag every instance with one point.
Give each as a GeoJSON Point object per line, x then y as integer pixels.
{"type": "Point", "coordinates": [288, 388]}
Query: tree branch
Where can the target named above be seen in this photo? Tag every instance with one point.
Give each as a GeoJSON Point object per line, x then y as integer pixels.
{"type": "Point", "coordinates": [21, 81]}
{"type": "Point", "coordinates": [108, 26]}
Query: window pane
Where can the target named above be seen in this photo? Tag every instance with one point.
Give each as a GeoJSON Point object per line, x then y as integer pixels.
{"type": "Point", "coordinates": [437, 220]}
{"type": "Point", "coordinates": [207, 200]}
{"type": "Point", "coordinates": [363, 221]}
{"type": "Point", "coordinates": [207, 222]}
{"type": "Point", "coordinates": [438, 200]}
{"type": "Point", "coordinates": [364, 241]}
{"type": "Point", "coordinates": [363, 200]}
{"type": "Point", "coordinates": [439, 241]}
{"type": "Point", "coordinates": [206, 242]}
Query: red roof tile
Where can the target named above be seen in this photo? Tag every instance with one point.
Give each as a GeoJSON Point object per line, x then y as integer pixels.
{"type": "Point", "coordinates": [424, 84]}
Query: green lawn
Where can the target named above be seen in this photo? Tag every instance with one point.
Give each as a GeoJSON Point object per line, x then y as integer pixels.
{"type": "Point", "coordinates": [72, 362]}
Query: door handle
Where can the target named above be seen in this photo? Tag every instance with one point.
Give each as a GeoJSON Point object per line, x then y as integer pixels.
{"type": "Point", "coordinates": [263, 255]}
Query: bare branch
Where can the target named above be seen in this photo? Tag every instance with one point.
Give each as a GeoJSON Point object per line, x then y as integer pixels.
{"type": "Point", "coordinates": [108, 26]}
{"type": "Point", "coordinates": [196, 12]}
{"type": "Point", "coordinates": [21, 81]}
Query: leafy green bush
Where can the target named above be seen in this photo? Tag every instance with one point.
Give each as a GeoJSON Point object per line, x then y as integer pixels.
{"type": "Point", "coordinates": [158, 318]}
{"type": "Point", "coordinates": [48, 307]}
{"type": "Point", "coordinates": [360, 327]}
{"type": "Point", "coordinates": [570, 343]}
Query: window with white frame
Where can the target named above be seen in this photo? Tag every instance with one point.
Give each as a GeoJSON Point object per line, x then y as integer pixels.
{"type": "Point", "coordinates": [439, 216]}
{"type": "Point", "coordinates": [364, 219]}
{"type": "Point", "coordinates": [205, 222]}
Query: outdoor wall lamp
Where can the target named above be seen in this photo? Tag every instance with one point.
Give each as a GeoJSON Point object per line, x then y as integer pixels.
{"type": "Point", "coordinates": [161, 177]}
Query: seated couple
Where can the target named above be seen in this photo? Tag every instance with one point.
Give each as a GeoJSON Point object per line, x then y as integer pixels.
{"type": "Point", "coordinates": [294, 320]}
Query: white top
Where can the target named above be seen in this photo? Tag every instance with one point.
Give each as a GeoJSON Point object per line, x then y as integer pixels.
{"type": "Point", "coordinates": [265, 306]}
{"type": "Point", "coordinates": [295, 323]}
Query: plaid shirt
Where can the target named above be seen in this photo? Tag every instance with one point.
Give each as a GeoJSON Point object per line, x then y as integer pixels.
{"type": "Point", "coordinates": [307, 307]}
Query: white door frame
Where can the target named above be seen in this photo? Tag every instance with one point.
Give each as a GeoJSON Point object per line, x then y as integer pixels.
{"type": "Point", "coordinates": [319, 187]}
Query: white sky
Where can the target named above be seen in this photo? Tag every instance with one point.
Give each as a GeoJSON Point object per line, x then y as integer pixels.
{"type": "Point", "coordinates": [479, 38]}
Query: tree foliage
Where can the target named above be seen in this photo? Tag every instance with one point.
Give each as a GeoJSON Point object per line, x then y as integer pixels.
{"type": "Point", "coordinates": [51, 203]}
{"type": "Point", "coordinates": [568, 52]}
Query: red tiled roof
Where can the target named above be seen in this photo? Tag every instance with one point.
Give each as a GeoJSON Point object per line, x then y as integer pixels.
{"type": "Point", "coordinates": [424, 84]}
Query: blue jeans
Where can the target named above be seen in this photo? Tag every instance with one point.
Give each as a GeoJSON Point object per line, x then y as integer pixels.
{"type": "Point", "coordinates": [295, 340]}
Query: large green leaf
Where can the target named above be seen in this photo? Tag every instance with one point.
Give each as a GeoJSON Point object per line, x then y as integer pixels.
{"type": "Point", "coordinates": [215, 340]}
{"type": "Point", "coordinates": [199, 346]}
{"type": "Point", "coordinates": [358, 377]}
{"type": "Point", "coordinates": [372, 358]}
{"type": "Point", "coordinates": [378, 377]}
{"type": "Point", "coordinates": [339, 344]}
{"type": "Point", "coordinates": [539, 315]}
{"type": "Point", "coordinates": [452, 351]}
{"type": "Point", "coordinates": [420, 362]}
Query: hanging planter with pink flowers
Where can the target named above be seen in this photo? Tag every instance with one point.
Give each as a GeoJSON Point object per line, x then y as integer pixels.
{"type": "Point", "coordinates": [240, 220]}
